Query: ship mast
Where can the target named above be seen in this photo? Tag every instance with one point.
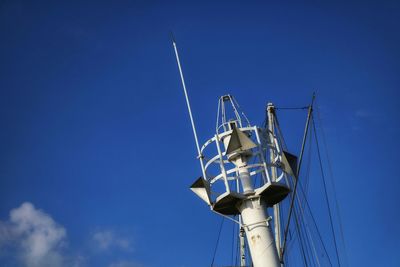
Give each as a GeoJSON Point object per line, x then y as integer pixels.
{"type": "Point", "coordinates": [237, 179]}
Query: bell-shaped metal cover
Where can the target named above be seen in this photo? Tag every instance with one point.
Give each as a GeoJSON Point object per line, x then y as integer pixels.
{"type": "Point", "coordinates": [239, 141]}
{"type": "Point", "coordinates": [289, 163]}
{"type": "Point", "coordinates": [202, 189]}
{"type": "Point", "coordinates": [273, 193]}
{"type": "Point", "coordinates": [226, 203]}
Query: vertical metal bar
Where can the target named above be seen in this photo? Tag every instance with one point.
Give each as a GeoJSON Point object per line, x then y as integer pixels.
{"type": "Point", "coordinates": [223, 114]}
{"type": "Point", "coordinates": [277, 219]}
{"type": "Point", "coordinates": [240, 109]}
{"type": "Point", "coordinates": [236, 112]}
{"type": "Point", "coordinates": [310, 109]}
{"type": "Point", "coordinates": [266, 175]}
{"type": "Point", "coordinates": [222, 164]}
{"type": "Point", "coordinates": [216, 126]}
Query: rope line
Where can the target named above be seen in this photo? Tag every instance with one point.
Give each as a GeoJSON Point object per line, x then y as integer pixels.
{"type": "Point", "coordinates": [306, 130]}
{"type": "Point", "coordinates": [309, 238]}
{"type": "Point", "coordinates": [233, 242]}
{"type": "Point", "coordinates": [326, 193]}
{"type": "Point", "coordinates": [307, 229]}
{"type": "Point", "coordinates": [300, 238]}
{"type": "Point", "coordinates": [316, 226]}
{"type": "Point", "coordinates": [298, 223]}
{"type": "Point", "coordinates": [332, 180]}
{"type": "Point", "coordinates": [292, 108]}
{"type": "Point", "coordinates": [216, 245]}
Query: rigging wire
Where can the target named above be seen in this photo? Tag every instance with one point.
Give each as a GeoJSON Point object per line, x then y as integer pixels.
{"type": "Point", "coordinates": [308, 242]}
{"type": "Point", "coordinates": [216, 245]}
{"type": "Point", "coordinates": [326, 193]}
{"type": "Point", "coordinates": [315, 224]}
{"type": "Point", "coordinates": [297, 173]}
{"type": "Point", "coordinates": [305, 255]}
{"type": "Point", "coordinates": [303, 229]}
{"type": "Point", "coordinates": [292, 108]}
{"type": "Point", "coordinates": [237, 252]}
{"type": "Point", "coordinates": [233, 242]}
{"type": "Point", "coordinates": [298, 223]}
{"type": "Point", "coordinates": [307, 206]}
{"type": "Point", "coordinates": [308, 168]}
{"type": "Point", "coordinates": [301, 199]}
{"type": "Point", "coordinates": [307, 229]}
{"type": "Point", "coordinates": [300, 238]}
{"type": "Point", "coordinates": [333, 184]}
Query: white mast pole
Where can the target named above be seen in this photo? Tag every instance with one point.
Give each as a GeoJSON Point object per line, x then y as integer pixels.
{"type": "Point", "coordinates": [258, 233]}
{"type": "Point", "coordinates": [199, 155]}
{"type": "Point", "coordinates": [254, 217]}
{"type": "Point", "coordinates": [277, 223]}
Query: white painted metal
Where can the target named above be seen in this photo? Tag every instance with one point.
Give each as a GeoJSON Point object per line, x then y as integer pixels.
{"type": "Point", "coordinates": [199, 156]}
{"type": "Point", "coordinates": [222, 161]}
{"type": "Point", "coordinates": [274, 148]}
{"type": "Point", "coordinates": [224, 175]}
{"type": "Point", "coordinates": [258, 233]}
{"type": "Point", "coordinates": [254, 217]}
{"type": "Point", "coordinates": [231, 167]}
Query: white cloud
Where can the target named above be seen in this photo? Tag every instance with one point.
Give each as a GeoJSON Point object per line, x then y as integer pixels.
{"type": "Point", "coordinates": [37, 239]}
{"type": "Point", "coordinates": [32, 238]}
{"type": "Point", "coordinates": [106, 239]}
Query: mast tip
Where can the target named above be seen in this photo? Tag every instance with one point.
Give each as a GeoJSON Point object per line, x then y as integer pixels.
{"type": "Point", "coordinates": [172, 37]}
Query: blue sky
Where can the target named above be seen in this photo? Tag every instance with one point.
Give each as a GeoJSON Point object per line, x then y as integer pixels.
{"type": "Point", "coordinates": [95, 137]}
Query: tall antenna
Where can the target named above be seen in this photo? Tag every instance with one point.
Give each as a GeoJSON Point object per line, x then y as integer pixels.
{"type": "Point", "coordinates": [199, 155]}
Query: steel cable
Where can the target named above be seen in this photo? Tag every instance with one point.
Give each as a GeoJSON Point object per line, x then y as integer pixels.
{"type": "Point", "coordinates": [333, 185]}
{"type": "Point", "coordinates": [326, 192]}
{"type": "Point", "coordinates": [216, 245]}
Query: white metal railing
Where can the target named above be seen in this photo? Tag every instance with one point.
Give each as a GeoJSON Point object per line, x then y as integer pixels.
{"type": "Point", "coordinates": [222, 169]}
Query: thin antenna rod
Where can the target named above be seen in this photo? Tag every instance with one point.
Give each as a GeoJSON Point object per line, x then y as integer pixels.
{"type": "Point", "coordinates": [199, 156]}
